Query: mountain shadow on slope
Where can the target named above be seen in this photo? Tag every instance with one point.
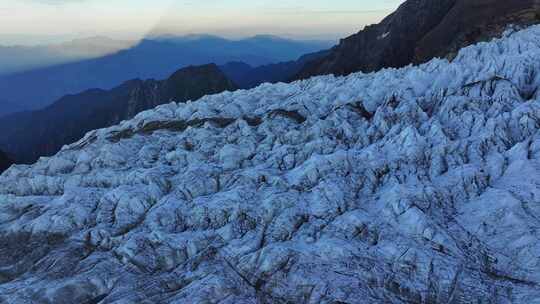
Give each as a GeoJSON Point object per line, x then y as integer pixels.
{"type": "Point", "coordinates": [18, 58]}
{"type": "Point", "coordinates": [30, 135]}
{"type": "Point", "coordinates": [420, 30]}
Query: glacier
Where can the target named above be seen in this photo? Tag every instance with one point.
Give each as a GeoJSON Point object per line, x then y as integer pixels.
{"type": "Point", "coordinates": [412, 185]}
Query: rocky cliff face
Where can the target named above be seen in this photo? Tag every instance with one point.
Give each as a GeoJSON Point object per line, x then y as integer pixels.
{"type": "Point", "coordinates": [421, 30]}
{"type": "Point", "coordinates": [474, 21]}
{"type": "Point", "coordinates": [417, 185]}
{"type": "Point", "coordinates": [30, 135]}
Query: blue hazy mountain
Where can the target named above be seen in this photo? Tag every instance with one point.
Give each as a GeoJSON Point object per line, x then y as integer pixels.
{"type": "Point", "coordinates": [156, 57]}
{"type": "Point", "coordinates": [8, 107]}
{"type": "Point", "coordinates": [246, 76]}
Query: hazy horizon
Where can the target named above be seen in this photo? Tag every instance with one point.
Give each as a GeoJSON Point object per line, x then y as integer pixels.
{"type": "Point", "coordinates": [42, 41]}
{"type": "Point", "coordinates": [33, 22]}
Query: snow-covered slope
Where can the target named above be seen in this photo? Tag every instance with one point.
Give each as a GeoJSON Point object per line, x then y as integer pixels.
{"type": "Point", "coordinates": [418, 185]}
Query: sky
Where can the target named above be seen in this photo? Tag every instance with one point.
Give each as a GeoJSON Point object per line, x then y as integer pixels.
{"type": "Point", "coordinates": [39, 21]}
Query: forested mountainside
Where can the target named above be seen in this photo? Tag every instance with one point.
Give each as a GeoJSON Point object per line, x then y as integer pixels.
{"type": "Point", "coordinates": [412, 185]}
{"type": "Point", "coordinates": [421, 30]}
{"type": "Point", "coordinates": [29, 135]}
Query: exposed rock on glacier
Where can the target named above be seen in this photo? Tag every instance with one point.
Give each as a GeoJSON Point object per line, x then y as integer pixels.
{"type": "Point", "coordinates": [417, 185]}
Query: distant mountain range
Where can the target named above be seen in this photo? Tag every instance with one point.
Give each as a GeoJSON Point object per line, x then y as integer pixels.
{"type": "Point", "coordinates": [151, 58]}
{"type": "Point", "coordinates": [29, 135]}
{"type": "Point", "coordinates": [421, 30]}
{"type": "Point", "coordinates": [247, 77]}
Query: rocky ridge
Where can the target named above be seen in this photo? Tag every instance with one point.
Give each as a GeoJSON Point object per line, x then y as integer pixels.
{"type": "Point", "coordinates": [30, 135]}
{"type": "Point", "coordinates": [420, 30]}
{"type": "Point", "coordinates": [417, 185]}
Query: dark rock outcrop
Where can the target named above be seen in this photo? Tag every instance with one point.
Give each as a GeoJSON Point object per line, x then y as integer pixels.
{"type": "Point", "coordinates": [420, 30]}
{"type": "Point", "coordinates": [30, 135]}
{"type": "Point", "coordinates": [5, 162]}
{"type": "Point", "coordinates": [474, 21]}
